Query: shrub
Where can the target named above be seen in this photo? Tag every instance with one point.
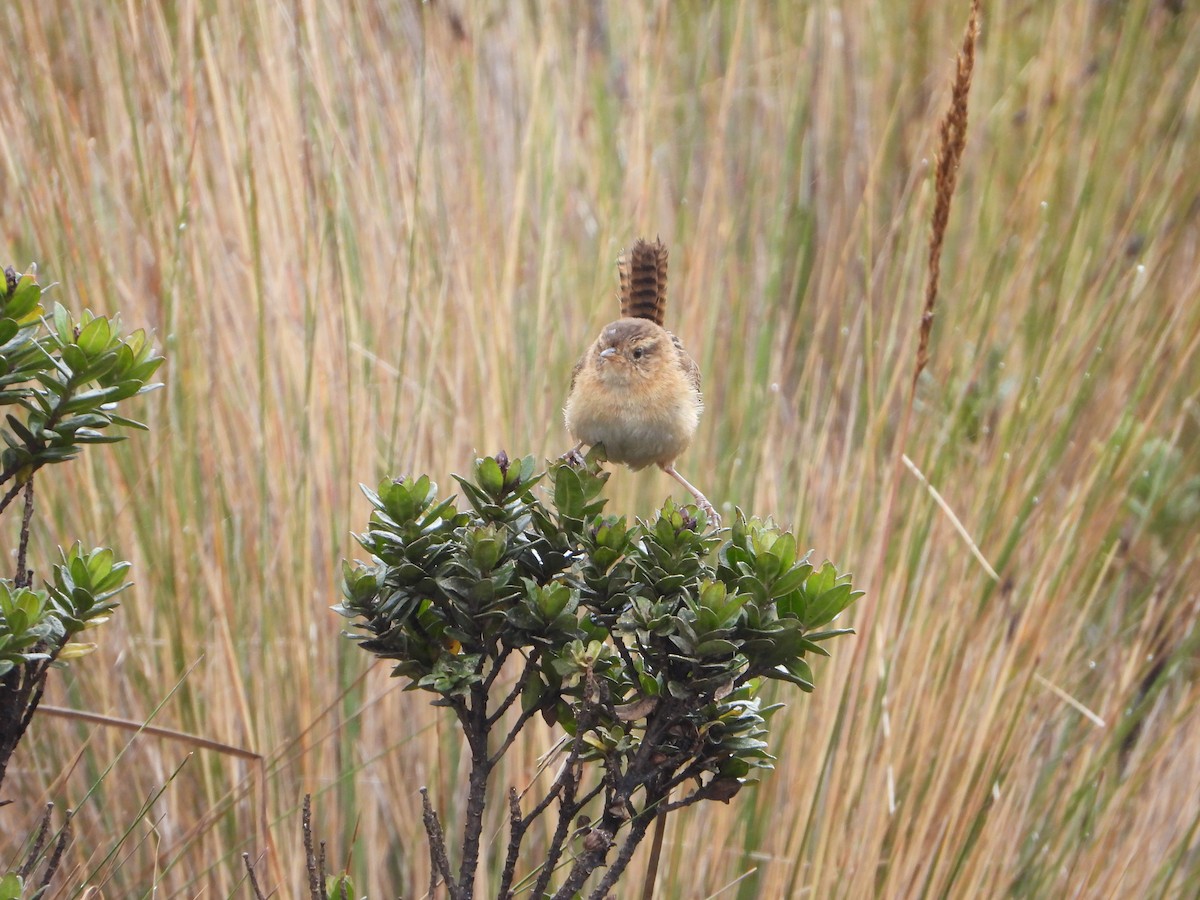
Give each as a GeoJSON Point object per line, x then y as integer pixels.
{"type": "Point", "coordinates": [647, 644]}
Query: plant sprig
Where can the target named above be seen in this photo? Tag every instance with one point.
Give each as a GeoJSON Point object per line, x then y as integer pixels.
{"type": "Point", "coordinates": [648, 643]}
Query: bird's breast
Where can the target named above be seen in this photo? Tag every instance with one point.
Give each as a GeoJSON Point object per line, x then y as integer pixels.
{"type": "Point", "coordinates": [639, 420]}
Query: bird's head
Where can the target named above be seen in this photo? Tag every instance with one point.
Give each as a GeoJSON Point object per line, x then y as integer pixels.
{"type": "Point", "coordinates": [630, 349]}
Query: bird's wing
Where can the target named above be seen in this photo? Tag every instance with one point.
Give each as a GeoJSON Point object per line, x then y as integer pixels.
{"type": "Point", "coordinates": [575, 371]}
{"type": "Point", "coordinates": [689, 365]}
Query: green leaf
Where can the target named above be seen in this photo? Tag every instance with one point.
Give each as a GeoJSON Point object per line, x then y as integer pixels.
{"type": "Point", "coordinates": [568, 493]}
{"type": "Point", "coordinates": [12, 887]}
{"type": "Point", "coordinates": [18, 621]}
{"type": "Point", "coordinates": [822, 580]}
{"type": "Point", "coordinates": [102, 365]}
{"type": "Point", "coordinates": [58, 454]}
{"type": "Point", "coordinates": [26, 436]}
{"type": "Point", "coordinates": [784, 550]}
{"type": "Point", "coordinates": [62, 324]}
{"type": "Point", "coordinates": [71, 424]}
{"type": "Point", "coordinates": [790, 580]}
{"type": "Point", "coordinates": [715, 647]}
{"type": "Point", "coordinates": [99, 565]}
{"type": "Point", "coordinates": [74, 564]}
{"type": "Point", "coordinates": [826, 635]}
{"type": "Point", "coordinates": [143, 370]}
{"type": "Point", "coordinates": [128, 423]}
{"type": "Point", "coordinates": [552, 600]}
{"type": "Point", "coordinates": [56, 385]}
{"type": "Point", "coordinates": [24, 299]}
{"type": "Point", "coordinates": [532, 692]}
{"type": "Point", "coordinates": [486, 548]}
{"type": "Point", "coordinates": [801, 670]}
{"type": "Point", "coordinates": [95, 398]}
{"type": "Point", "coordinates": [782, 673]}
{"type": "Point", "coordinates": [90, 436]}
{"type": "Point", "coordinates": [76, 360]}
{"type": "Point", "coordinates": [649, 685]}
{"type": "Point", "coordinates": [489, 476]}
{"type": "Point", "coordinates": [339, 887]}
{"type": "Point", "coordinates": [828, 605]}
{"type": "Point", "coordinates": [95, 336]}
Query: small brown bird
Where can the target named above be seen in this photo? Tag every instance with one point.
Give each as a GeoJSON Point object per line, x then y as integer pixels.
{"type": "Point", "coordinates": [636, 390]}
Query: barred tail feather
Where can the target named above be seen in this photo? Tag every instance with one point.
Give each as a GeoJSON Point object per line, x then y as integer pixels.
{"type": "Point", "coordinates": [643, 271]}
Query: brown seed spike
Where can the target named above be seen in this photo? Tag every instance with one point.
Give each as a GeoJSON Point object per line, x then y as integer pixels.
{"type": "Point", "coordinates": [643, 272]}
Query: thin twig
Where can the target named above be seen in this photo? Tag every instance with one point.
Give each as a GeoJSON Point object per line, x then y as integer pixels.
{"type": "Point", "coordinates": [439, 863]}
{"type": "Point", "coordinates": [60, 846]}
{"type": "Point", "coordinates": [567, 807]}
{"type": "Point", "coordinates": [567, 810]}
{"type": "Point", "coordinates": [24, 576]}
{"type": "Point", "coordinates": [494, 674]}
{"type": "Point", "coordinates": [254, 885]}
{"type": "Point", "coordinates": [545, 802]}
{"type": "Point", "coordinates": [589, 861]}
{"type": "Point", "coordinates": [656, 845]}
{"type": "Point", "coordinates": [39, 842]}
{"type": "Point", "coordinates": [10, 473]}
{"type": "Point", "coordinates": [516, 833]}
{"type": "Point", "coordinates": [10, 494]}
{"type": "Point", "coordinates": [695, 770]}
{"type": "Point", "coordinates": [636, 832]}
{"type": "Point", "coordinates": [34, 685]}
{"type": "Point", "coordinates": [579, 805]}
{"type": "Point", "coordinates": [694, 797]}
{"type": "Point", "coordinates": [504, 704]}
{"type": "Point", "coordinates": [315, 890]}
{"type": "Point", "coordinates": [530, 662]}
{"type": "Point", "coordinates": [522, 720]}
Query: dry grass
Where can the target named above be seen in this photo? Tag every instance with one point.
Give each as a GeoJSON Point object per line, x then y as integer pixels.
{"type": "Point", "coordinates": [373, 239]}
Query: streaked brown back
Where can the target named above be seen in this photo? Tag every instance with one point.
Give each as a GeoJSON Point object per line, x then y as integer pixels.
{"type": "Point", "coordinates": [643, 271]}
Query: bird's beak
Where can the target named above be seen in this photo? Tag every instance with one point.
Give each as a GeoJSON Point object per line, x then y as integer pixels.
{"type": "Point", "coordinates": [608, 352]}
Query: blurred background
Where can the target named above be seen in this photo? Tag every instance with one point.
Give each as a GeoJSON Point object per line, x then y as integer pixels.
{"type": "Point", "coordinates": [372, 239]}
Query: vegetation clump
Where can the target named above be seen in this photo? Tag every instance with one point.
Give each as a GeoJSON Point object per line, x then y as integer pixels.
{"type": "Point", "coordinates": [62, 378]}
{"type": "Point", "coordinates": [648, 644]}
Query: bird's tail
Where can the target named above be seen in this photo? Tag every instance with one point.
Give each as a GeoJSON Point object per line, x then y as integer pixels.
{"type": "Point", "coordinates": [643, 272]}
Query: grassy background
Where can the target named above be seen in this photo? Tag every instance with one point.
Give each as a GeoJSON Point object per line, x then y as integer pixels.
{"type": "Point", "coordinates": [373, 239]}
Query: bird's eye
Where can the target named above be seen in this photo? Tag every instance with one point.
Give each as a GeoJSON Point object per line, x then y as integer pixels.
{"type": "Point", "coordinates": [638, 353]}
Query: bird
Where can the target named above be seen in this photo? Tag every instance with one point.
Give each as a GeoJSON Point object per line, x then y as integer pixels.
{"type": "Point", "coordinates": [636, 390]}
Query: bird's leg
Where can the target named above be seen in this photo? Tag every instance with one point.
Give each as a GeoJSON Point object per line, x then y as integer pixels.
{"type": "Point", "coordinates": [701, 500]}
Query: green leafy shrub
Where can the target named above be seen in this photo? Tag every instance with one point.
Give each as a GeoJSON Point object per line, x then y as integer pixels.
{"type": "Point", "coordinates": [647, 643]}
{"type": "Point", "coordinates": [61, 379]}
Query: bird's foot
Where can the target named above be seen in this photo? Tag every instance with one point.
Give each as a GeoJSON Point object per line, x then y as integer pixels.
{"type": "Point", "coordinates": [573, 457]}
{"type": "Point", "coordinates": [714, 517]}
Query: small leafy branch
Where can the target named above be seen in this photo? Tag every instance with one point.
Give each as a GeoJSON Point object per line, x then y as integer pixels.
{"type": "Point", "coordinates": [62, 379]}
{"type": "Point", "coordinates": [647, 643]}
